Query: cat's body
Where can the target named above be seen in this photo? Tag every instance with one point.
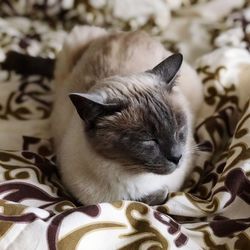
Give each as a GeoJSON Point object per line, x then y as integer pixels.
{"type": "Point", "coordinates": [93, 61]}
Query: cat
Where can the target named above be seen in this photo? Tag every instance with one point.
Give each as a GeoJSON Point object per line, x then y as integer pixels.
{"type": "Point", "coordinates": [123, 116]}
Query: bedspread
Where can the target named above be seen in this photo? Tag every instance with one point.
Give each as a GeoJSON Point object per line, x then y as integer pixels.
{"type": "Point", "coordinates": [211, 212]}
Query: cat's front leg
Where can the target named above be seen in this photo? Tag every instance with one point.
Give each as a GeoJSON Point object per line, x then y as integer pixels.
{"type": "Point", "coordinates": [158, 197]}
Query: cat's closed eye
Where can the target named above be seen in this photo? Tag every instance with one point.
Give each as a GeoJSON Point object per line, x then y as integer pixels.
{"type": "Point", "coordinates": [149, 142]}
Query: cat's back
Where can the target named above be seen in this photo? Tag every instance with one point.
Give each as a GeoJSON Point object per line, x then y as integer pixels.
{"type": "Point", "coordinates": [122, 53]}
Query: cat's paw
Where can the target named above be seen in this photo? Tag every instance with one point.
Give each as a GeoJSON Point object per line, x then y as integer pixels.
{"type": "Point", "coordinates": [158, 197]}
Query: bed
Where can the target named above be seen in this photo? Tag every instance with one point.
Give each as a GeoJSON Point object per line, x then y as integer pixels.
{"type": "Point", "coordinates": [213, 209]}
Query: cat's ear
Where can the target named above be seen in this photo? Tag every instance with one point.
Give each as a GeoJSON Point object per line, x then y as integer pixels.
{"type": "Point", "coordinates": [91, 106]}
{"type": "Point", "coordinates": [168, 68]}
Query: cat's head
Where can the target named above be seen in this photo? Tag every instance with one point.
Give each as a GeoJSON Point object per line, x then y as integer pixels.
{"type": "Point", "coordinates": [139, 120]}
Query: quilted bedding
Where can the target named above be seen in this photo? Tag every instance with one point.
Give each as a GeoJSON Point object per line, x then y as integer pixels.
{"type": "Point", "coordinates": [211, 212]}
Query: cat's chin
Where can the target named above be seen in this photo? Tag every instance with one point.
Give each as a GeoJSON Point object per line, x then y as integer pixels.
{"type": "Point", "coordinates": [161, 169]}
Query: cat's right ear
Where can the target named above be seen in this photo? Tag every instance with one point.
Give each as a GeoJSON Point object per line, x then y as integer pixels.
{"type": "Point", "coordinates": [90, 106]}
{"type": "Point", "coordinates": [168, 68]}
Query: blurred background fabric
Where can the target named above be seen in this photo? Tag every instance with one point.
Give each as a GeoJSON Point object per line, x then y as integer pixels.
{"type": "Point", "coordinates": [211, 212]}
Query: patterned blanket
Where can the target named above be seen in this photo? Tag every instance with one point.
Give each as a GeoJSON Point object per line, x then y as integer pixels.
{"type": "Point", "coordinates": [211, 212]}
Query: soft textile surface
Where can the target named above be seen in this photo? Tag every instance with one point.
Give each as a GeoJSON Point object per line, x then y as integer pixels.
{"type": "Point", "coordinates": [212, 212]}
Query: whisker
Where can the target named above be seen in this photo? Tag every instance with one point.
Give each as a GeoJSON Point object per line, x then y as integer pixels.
{"type": "Point", "coordinates": [200, 147]}
{"type": "Point", "coordinates": [203, 147]}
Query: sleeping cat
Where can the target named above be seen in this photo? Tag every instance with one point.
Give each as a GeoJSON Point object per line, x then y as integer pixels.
{"type": "Point", "coordinates": [123, 116]}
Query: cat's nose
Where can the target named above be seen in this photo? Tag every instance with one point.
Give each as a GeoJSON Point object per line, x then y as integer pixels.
{"type": "Point", "coordinates": [174, 158]}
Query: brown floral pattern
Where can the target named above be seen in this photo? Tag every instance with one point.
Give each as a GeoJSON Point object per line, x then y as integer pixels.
{"type": "Point", "coordinates": [211, 212]}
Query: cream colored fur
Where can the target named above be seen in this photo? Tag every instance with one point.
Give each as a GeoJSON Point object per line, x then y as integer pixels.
{"type": "Point", "coordinates": [87, 175]}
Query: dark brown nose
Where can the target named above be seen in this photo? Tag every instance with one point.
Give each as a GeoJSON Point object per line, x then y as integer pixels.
{"type": "Point", "coordinates": [174, 158]}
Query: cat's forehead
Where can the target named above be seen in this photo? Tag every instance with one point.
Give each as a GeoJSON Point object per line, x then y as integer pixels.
{"type": "Point", "coordinates": [146, 100]}
{"type": "Point", "coordinates": [148, 110]}
{"type": "Point", "coordinates": [157, 110]}
{"type": "Point", "coordinates": [155, 100]}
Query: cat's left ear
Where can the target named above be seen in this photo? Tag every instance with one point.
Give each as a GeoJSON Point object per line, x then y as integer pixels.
{"type": "Point", "coordinates": [168, 68]}
{"type": "Point", "coordinates": [91, 106]}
